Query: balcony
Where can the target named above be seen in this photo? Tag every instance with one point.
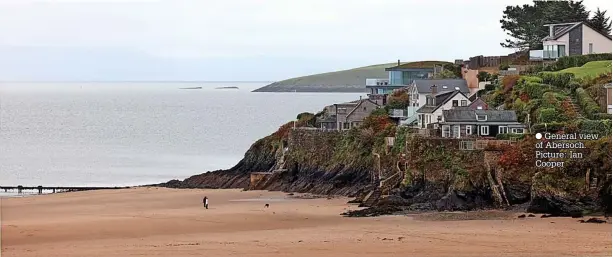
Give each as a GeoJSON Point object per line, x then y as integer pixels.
{"type": "Point", "coordinates": [377, 82]}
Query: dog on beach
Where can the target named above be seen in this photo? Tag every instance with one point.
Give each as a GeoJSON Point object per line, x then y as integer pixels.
{"type": "Point", "coordinates": [266, 205]}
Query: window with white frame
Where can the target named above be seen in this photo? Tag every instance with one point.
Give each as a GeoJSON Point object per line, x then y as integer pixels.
{"type": "Point", "coordinates": [446, 132]}
{"type": "Point", "coordinates": [485, 130]}
{"type": "Point", "coordinates": [469, 130]}
{"type": "Point", "coordinates": [456, 131]}
{"type": "Point", "coordinates": [517, 130]}
{"type": "Point", "coordinates": [503, 130]}
{"type": "Point", "coordinates": [481, 117]}
{"type": "Point", "coordinates": [463, 103]}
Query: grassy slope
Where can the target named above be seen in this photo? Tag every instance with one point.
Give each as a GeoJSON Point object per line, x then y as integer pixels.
{"type": "Point", "coordinates": [590, 69]}
{"type": "Point", "coordinates": [351, 80]}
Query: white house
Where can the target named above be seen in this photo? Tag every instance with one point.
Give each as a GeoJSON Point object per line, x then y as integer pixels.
{"type": "Point", "coordinates": [436, 103]}
{"type": "Point", "coordinates": [418, 91]}
{"type": "Point", "coordinates": [576, 38]}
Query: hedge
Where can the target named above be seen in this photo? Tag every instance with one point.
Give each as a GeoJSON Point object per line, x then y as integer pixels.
{"type": "Point", "coordinates": [587, 104]}
{"type": "Point", "coordinates": [601, 116]}
{"type": "Point", "coordinates": [560, 80]}
{"type": "Point", "coordinates": [577, 60]}
{"type": "Point", "coordinates": [601, 127]}
{"type": "Point", "coordinates": [549, 115]}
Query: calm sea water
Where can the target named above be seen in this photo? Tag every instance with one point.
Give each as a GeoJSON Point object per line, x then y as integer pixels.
{"type": "Point", "coordinates": [121, 134]}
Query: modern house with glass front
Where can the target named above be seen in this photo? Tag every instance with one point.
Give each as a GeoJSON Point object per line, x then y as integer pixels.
{"type": "Point", "coordinates": [576, 38]}
{"type": "Point", "coordinates": [398, 77]}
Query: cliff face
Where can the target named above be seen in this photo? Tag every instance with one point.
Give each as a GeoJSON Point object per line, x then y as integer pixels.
{"type": "Point", "coordinates": [308, 166]}
{"type": "Point", "coordinates": [436, 174]}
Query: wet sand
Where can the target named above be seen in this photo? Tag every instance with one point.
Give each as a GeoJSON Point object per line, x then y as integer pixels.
{"type": "Point", "coordinates": [169, 222]}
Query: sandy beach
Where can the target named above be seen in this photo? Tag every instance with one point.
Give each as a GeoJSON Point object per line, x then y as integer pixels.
{"type": "Point", "coordinates": [169, 222]}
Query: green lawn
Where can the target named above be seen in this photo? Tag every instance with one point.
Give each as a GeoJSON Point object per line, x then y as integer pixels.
{"type": "Point", "coordinates": [590, 69]}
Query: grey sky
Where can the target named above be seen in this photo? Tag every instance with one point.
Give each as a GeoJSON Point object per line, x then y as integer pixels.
{"type": "Point", "coordinates": [238, 39]}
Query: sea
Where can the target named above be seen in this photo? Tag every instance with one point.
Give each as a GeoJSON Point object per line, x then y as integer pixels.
{"type": "Point", "coordinates": [128, 134]}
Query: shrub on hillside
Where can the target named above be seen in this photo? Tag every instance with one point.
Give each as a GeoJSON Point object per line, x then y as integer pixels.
{"type": "Point", "coordinates": [577, 61]}
{"type": "Point", "coordinates": [490, 87]}
{"type": "Point", "coordinates": [550, 115]}
{"type": "Point", "coordinates": [508, 82]}
{"type": "Point", "coordinates": [559, 80]}
{"type": "Point", "coordinates": [601, 116]}
{"type": "Point", "coordinates": [587, 104]}
{"type": "Point", "coordinates": [601, 127]}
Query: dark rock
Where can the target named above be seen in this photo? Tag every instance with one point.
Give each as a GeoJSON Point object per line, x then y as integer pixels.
{"type": "Point", "coordinates": [522, 216]}
{"type": "Point", "coordinates": [593, 220]}
{"type": "Point", "coordinates": [421, 207]}
{"type": "Point", "coordinates": [531, 215]}
{"type": "Point", "coordinates": [576, 215]}
{"type": "Point", "coordinates": [517, 192]}
{"type": "Point", "coordinates": [556, 205]}
{"type": "Point", "coordinates": [373, 211]}
{"type": "Point", "coordinates": [394, 200]}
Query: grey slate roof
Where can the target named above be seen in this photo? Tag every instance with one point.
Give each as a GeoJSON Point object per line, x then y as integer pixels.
{"type": "Point", "coordinates": [441, 99]}
{"type": "Point", "coordinates": [424, 85]}
{"type": "Point", "coordinates": [563, 28]}
{"type": "Point", "coordinates": [460, 115]}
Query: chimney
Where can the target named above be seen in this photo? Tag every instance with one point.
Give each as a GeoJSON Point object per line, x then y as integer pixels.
{"type": "Point", "coordinates": [433, 90]}
{"type": "Point", "coordinates": [551, 29]}
{"type": "Point", "coordinates": [398, 62]}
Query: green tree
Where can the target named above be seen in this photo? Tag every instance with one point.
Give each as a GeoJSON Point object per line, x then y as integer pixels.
{"type": "Point", "coordinates": [483, 76]}
{"type": "Point", "coordinates": [445, 74]}
{"type": "Point", "coordinates": [600, 21]}
{"type": "Point", "coordinates": [526, 23]}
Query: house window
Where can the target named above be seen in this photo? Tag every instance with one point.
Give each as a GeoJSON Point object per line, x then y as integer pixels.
{"type": "Point", "coordinates": [591, 47]}
{"type": "Point", "coordinates": [467, 145]}
{"type": "Point", "coordinates": [517, 130]}
{"type": "Point", "coordinates": [469, 130]}
{"type": "Point", "coordinates": [503, 130]}
{"type": "Point", "coordinates": [479, 107]}
{"type": "Point", "coordinates": [446, 131]}
{"type": "Point", "coordinates": [561, 50]}
{"type": "Point", "coordinates": [364, 108]}
{"type": "Point", "coordinates": [485, 130]}
{"type": "Point", "coordinates": [342, 110]}
{"type": "Point", "coordinates": [454, 103]}
{"type": "Point", "coordinates": [439, 118]}
{"type": "Point", "coordinates": [463, 103]}
{"type": "Point", "coordinates": [481, 117]}
{"type": "Point", "coordinates": [456, 131]}
{"type": "Point", "coordinates": [346, 125]}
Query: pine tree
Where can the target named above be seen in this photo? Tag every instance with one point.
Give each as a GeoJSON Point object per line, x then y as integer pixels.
{"type": "Point", "coordinates": [601, 22]}
{"type": "Point", "coordinates": [526, 23]}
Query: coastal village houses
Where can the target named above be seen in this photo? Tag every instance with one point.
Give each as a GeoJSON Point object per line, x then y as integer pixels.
{"type": "Point", "coordinates": [345, 116]}
{"type": "Point", "coordinates": [576, 38]}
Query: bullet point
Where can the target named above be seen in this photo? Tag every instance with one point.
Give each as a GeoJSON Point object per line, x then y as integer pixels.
{"type": "Point", "coordinates": [539, 135]}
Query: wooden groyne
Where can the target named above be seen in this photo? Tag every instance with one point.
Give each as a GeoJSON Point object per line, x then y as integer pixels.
{"type": "Point", "coordinates": [56, 189]}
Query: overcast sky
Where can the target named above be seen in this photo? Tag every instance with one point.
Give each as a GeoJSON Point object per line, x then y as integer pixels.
{"type": "Point", "coordinates": [238, 39]}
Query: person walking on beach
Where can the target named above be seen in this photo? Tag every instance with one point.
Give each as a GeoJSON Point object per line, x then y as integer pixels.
{"type": "Point", "coordinates": [205, 201]}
